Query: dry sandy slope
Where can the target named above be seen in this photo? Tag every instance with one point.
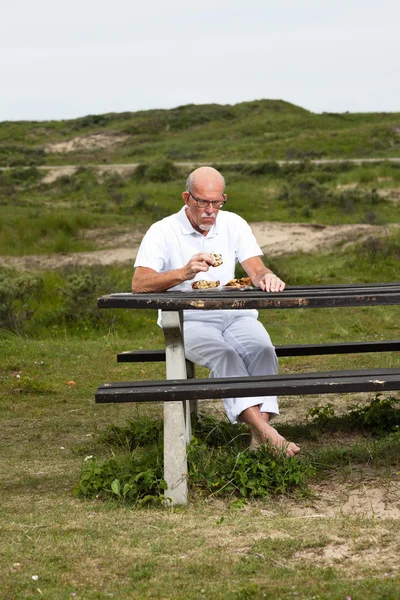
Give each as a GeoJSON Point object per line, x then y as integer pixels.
{"type": "Point", "coordinates": [274, 238]}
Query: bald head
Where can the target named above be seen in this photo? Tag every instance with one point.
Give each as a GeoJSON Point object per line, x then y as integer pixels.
{"type": "Point", "coordinates": [204, 177]}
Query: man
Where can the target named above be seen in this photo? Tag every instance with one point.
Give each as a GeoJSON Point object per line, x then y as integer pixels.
{"type": "Point", "coordinates": [174, 253]}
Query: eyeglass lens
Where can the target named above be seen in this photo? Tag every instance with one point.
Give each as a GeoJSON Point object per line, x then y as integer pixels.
{"type": "Point", "coordinates": [204, 203]}
{"type": "Point", "coordinates": [215, 203]}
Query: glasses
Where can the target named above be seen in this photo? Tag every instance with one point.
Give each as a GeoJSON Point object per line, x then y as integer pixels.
{"type": "Point", "coordinates": [204, 203]}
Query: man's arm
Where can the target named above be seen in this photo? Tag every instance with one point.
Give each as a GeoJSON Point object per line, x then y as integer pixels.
{"type": "Point", "coordinates": [148, 280]}
{"type": "Point", "coordinates": [261, 276]}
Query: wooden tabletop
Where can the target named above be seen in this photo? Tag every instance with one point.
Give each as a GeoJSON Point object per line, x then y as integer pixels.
{"type": "Point", "coordinates": [316, 296]}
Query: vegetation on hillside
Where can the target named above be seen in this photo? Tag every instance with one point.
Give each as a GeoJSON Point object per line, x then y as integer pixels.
{"type": "Point", "coordinates": [45, 218]}
{"type": "Point", "coordinates": [258, 130]}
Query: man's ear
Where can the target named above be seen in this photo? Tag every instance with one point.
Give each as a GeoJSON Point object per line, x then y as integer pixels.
{"type": "Point", "coordinates": [185, 196]}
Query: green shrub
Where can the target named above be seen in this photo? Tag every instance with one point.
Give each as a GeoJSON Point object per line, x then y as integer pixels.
{"type": "Point", "coordinates": [139, 173]}
{"type": "Point", "coordinates": [163, 172]}
{"type": "Point", "coordinates": [79, 294]}
{"type": "Point", "coordinates": [380, 417]}
{"type": "Point", "coordinates": [307, 194]}
{"type": "Point", "coordinates": [19, 176]}
{"type": "Point", "coordinates": [380, 247]}
{"type": "Point", "coordinates": [19, 299]}
{"type": "Point", "coordinates": [21, 156]}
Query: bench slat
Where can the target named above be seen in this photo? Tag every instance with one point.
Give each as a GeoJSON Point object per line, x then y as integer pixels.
{"type": "Point", "coordinates": [294, 384]}
{"type": "Point", "coordinates": [288, 350]}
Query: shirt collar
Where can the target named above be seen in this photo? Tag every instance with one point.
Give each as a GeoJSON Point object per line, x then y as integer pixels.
{"type": "Point", "coordinates": [187, 228]}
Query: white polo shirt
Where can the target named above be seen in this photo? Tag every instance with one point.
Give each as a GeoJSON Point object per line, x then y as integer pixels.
{"type": "Point", "coordinates": [170, 243]}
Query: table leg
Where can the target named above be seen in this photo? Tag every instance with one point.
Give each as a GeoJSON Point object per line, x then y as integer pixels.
{"type": "Point", "coordinates": [175, 413]}
{"type": "Point", "coordinates": [192, 406]}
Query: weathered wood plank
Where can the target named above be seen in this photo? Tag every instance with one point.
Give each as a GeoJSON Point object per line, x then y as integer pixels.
{"type": "Point", "coordinates": [292, 297]}
{"type": "Point", "coordinates": [293, 384]}
{"type": "Point", "coordinates": [281, 351]}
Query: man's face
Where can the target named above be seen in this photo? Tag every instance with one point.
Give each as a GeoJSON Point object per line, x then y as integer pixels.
{"type": "Point", "coordinates": [202, 215]}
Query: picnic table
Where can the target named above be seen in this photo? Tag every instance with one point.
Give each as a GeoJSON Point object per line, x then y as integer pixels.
{"type": "Point", "coordinates": [180, 389]}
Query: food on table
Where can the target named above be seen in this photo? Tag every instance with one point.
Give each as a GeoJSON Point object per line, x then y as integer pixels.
{"type": "Point", "coordinates": [203, 284]}
{"type": "Point", "coordinates": [244, 281]}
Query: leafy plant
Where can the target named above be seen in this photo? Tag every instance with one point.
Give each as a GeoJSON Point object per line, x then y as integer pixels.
{"type": "Point", "coordinates": [219, 463]}
{"type": "Point", "coordinates": [380, 417]}
{"type": "Point", "coordinates": [134, 477]}
{"type": "Point", "coordinates": [246, 474]}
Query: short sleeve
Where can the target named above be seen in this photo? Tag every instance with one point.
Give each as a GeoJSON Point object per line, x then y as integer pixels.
{"type": "Point", "coordinates": [152, 250]}
{"type": "Point", "coordinates": [246, 243]}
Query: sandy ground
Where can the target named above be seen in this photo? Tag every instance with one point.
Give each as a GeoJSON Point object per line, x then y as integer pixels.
{"type": "Point", "coordinates": [274, 238]}
{"type": "Point", "coordinates": [88, 142]}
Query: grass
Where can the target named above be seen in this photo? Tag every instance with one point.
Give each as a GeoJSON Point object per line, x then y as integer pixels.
{"type": "Point", "coordinates": [293, 546]}
{"type": "Point", "coordinates": [286, 548]}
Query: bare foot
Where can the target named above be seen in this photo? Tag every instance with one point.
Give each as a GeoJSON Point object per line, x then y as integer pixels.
{"type": "Point", "coordinates": [270, 434]}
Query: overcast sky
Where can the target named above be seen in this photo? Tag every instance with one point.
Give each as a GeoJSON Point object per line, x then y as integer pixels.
{"type": "Point", "coordinates": [70, 58]}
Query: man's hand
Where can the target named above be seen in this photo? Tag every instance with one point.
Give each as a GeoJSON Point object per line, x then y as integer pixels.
{"type": "Point", "coordinates": [199, 262]}
{"type": "Point", "coordinates": [271, 283]}
{"type": "Point", "coordinates": [148, 280]}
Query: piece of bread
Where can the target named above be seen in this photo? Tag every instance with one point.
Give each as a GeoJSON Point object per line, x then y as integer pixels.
{"type": "Point", "coordinates": [203, 284]}
{"type": "Point", "coordinates": [217, 259]}
{"type": "Point", "coordinates": [239, 282]}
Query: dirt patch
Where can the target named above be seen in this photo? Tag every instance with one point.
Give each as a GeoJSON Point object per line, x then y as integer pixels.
{"type": "Point", "coordinates": [53, 174]}
{"type": "Point", "coordinates": [274, 238]}
{"type": "Point", "coordinates": [89, 142]}
{"type": "Point", "coordinates": [365, 499]}
{"type": "Point", "coordinates": [390, 194]}
{"type": "Point", "coordinates": [282, 238]}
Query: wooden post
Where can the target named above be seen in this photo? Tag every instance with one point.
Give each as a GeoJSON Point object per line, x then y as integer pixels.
{"type": "Point", "coordinates": [192, 406]}
{"type": "Point", "coordinates": [176, 417]}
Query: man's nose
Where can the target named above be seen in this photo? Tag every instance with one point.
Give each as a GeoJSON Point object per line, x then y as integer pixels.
{"type": "Point", "coordinates": [210, 208]}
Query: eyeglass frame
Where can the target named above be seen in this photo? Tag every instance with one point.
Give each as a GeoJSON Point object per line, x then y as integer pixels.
{"type": "Point", "coordinates": [208, 202]}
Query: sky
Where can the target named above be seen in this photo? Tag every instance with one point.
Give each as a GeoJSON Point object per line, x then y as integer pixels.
{"type": "Point", "coordinates": [67, 59]}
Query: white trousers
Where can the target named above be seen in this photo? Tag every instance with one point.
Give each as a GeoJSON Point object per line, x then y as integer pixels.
{"type": "Point", "coordinates": [232, 343]}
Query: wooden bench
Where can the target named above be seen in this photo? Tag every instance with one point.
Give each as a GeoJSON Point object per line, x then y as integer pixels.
{"type": "Point", "coordinates": [178, 392]}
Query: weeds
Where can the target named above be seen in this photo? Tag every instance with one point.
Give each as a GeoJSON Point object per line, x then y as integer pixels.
{"type": "Point", "coordinates": [134, 478]}
{"type": "Point", "coordinates": [219, 464]}
{"type": "Point", "coordinates": [219, 461]}
{"type": "Point", "coordinates": [379, 417]}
